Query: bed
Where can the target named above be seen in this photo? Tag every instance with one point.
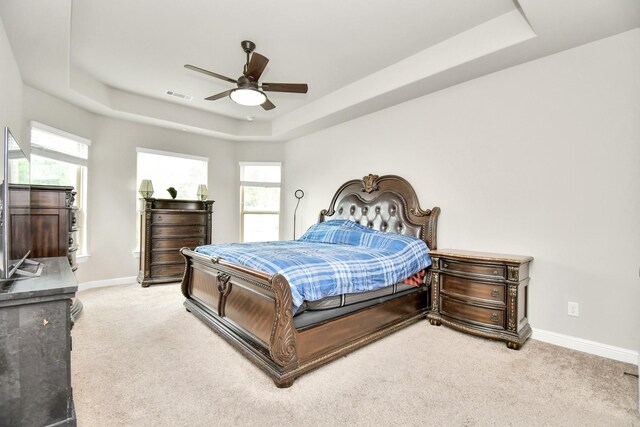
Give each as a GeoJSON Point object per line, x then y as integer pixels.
{"type": "Point", "coordinates": [254, 310]}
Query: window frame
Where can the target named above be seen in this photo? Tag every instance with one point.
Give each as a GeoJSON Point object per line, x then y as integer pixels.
{"type": "Point", "coordinates": [263, 184]}
{"type": "Point", "coordinates": [83, 193]}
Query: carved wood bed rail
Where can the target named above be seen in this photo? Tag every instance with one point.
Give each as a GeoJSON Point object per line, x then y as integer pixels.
{"type": "Point", "coordinates": [253, 311]}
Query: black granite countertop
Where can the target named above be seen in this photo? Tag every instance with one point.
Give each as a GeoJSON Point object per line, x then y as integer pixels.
{"type": "Point", "coordinates": [56, 279]}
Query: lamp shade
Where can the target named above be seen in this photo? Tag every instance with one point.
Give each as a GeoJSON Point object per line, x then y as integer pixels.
{"type": "Point", "coordinates": [248, 96]}
{"type": "Point", "coordinates": [202, 192]}
{"type": "Point", "coordinates": [146, 188]}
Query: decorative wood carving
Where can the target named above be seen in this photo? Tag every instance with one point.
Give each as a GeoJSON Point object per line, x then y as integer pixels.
{"type": "Point", "coordinates": [514, 273]}
{"type": "Point", "coordinates": [369, 183]}
{"type": "Point", "coordinates": [513, 298]}
{"type": "Point", "coordinates": [224, 287]}
{"type": "Point", "coordinates": [283, 342]}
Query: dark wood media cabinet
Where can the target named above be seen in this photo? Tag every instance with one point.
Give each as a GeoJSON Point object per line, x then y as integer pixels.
{"type": "Point", "coordinates": [166, 226]}
{"type": "Point", "coordinates": [35, 348]}
{"type": "Point", "coordinates": [482, 294]}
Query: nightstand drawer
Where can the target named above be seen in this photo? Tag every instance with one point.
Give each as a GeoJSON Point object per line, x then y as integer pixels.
{"type": "Point", "coordinates": [459, 286]}
{"type": "Point", "coordinates": [492, 318]}
{"type": "Point", "coordinates": [474, 269]}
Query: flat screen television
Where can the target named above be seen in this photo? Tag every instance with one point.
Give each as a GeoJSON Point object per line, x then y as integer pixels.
{"type": "Point", "coordinates": [15, 196]}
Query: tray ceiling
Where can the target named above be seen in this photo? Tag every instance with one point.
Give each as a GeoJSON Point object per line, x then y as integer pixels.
{"type": "Point", "coordinates": [119, 57]}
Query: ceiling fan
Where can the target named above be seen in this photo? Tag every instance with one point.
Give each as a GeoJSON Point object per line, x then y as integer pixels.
{"type": "Point", "coordinates": [249, 92]}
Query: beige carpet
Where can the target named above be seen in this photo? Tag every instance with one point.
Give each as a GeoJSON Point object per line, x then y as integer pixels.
{"type": "Point", "coordinates": [140, 359]}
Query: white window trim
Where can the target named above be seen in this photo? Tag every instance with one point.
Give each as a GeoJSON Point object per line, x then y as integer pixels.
{"type": "Point", "coordinates": [46, 128]}
{"type": "Point", "coordinates": [56, 155]}
{"type": "Point", "coordinates": [260, 164]}
{"type": "Point", "coordinates": [171, 154]}
{"type": "Point", "coordinates": [260, 184]}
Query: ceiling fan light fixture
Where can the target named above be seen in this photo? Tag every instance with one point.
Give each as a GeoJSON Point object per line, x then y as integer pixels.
{"type": "Point", "coordinates": [249, 97]}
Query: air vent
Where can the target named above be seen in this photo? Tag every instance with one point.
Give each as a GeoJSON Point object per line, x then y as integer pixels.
{"type": "Point", "coordinates": [179, 95]}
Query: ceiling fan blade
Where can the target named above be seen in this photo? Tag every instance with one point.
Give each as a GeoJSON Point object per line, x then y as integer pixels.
{"type": "Point", "coordinates": [210, 73]}
{"type": "Point", "coordinates": [267, 105]}
{"type": "Point", "coordinates": [285, 87]}
{"type": "Point", "coordinates": [219, 95]}
{"type": "Point", "coordinates": [256, 66]}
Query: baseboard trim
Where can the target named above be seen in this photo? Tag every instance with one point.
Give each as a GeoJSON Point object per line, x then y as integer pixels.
{"type": "Point", "coordinates": [107, 282]}
{"type": "Point", "coordinates": [586, 346]}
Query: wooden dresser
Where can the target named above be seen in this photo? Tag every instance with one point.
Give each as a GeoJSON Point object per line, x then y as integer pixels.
{"type": "Point", "coordinates": [481, 293]}
{"type": "Point", "coordinates": [166, 226]}
{"type": "Point", "coordinates": [54, 223]}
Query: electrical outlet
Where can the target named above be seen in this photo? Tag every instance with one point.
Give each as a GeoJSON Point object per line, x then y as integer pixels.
{"type": "Point", "coordinates": [573, 309]}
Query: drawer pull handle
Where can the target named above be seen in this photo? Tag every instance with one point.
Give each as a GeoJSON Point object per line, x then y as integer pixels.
{"type": "Point", "coordinates": [70, 241]}
{"type": "Point", "coordinates": [495, 293]}
{"type": "Point", "coordinates": [446, 265]}
{"type": "Point", "coordinates": [495, 271]}
{"type": "Point", "coordinates": [159, 217]}
{"type": "Point", "coordinates": [495, 318]}
{"type": "Point", "coordinates": [73, 219]}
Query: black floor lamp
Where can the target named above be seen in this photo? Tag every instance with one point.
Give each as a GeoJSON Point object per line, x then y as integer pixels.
{"type": "Point", "coordinates": [299, 194]}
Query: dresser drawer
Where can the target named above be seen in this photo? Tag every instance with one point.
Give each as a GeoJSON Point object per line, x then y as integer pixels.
{"type": "Point", "coordinates": [178, 230]}
{"type": "Point", "coordinates": [177, 243]}
{"type": "Point", "coordinates": [162, 257]}
{"type": "Point", "coordinates": [491, 318]}
{"type": "Point", "coordinates": [469, 288]}
{"type": "Point", "coordinates": [167, 270]}
{"type": "Point", "coordinates": [183, 218]}
{"type": "Point", "coordinates": [474, 269]}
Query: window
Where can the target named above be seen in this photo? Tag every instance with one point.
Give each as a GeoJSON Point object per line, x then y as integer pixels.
{"type": "Point", "coordinates": [259, 202]}
{"type": "Point", "coordinates": [166, 169]}
{"type": "Point", "coordinates": [60, 158]}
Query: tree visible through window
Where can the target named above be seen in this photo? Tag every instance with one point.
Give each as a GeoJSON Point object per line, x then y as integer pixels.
{"type": "Point", "coordinates": [260, 201]}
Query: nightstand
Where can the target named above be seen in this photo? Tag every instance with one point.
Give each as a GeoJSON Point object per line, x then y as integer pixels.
{"type": "Point", "coordinates": [481, 293]}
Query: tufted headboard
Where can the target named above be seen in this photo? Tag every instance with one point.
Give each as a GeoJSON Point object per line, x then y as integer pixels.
{"type": "Point", "coordinates": [386, 203]}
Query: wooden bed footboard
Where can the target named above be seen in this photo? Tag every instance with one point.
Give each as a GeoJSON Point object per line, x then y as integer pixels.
{"type": "Point", "coordinates": [253, 311]}
{"type": "Point", "coordinates": [253, 306]}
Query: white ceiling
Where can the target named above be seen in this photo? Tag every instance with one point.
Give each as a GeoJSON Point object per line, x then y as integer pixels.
{"type": "Point", "coordinates": [118, 57]}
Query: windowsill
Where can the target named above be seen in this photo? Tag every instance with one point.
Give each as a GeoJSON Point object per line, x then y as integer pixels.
{"type": "Point", "coordinates": [80, 259]}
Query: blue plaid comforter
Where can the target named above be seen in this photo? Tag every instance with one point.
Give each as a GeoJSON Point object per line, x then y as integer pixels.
{"type": "Point", "coordinates": [332, 258]}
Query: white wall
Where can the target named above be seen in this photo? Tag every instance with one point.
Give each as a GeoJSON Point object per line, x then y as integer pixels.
{"type": "Point", "coordinates": [541, 159]}
{"type": "Point", "coordinates": [112, 179]}
{"type": "Point", "coordinates": [11, 83]}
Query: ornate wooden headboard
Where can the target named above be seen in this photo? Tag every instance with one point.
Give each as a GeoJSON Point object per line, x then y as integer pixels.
{"type": "Point", "coordinates": [386, 203]}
